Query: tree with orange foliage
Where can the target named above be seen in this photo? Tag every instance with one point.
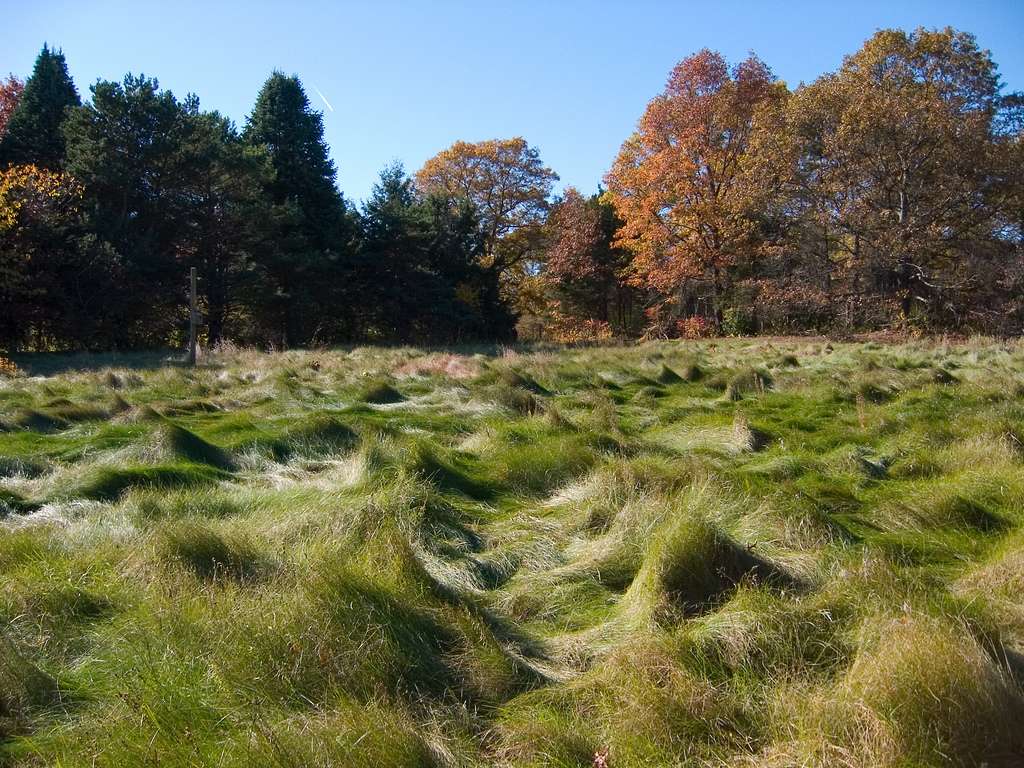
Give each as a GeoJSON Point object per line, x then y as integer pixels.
{"type": "Point", "coordinates": [680, 183]}
{"type": "Point", "coordinates": [10, 93]}
{"type": "Point", "coordinates": [506, 182]}
{"type": "Point", "coordinates": [584, 271]}
{"type": "Point", "coordinates": [896, 152]}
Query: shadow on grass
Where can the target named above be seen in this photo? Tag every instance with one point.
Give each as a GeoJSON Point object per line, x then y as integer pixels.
{"type": "Point", "coordinates": [53, 363]}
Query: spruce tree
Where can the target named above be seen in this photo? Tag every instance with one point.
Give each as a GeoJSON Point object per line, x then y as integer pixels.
{"type": "Point", "coordinates": [312, 220]}
{"type": "Point", "coordinates": [34, 133]}
{"type": "Point", "coordinates": [293, 132]}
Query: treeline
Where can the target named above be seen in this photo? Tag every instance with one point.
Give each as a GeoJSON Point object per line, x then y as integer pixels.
{"type": "Point", "coordinates": [887, 194]}
{"type": "Point", "coordinates": [104, 207]}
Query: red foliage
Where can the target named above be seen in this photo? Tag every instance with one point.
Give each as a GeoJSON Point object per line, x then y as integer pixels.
{"type": "Point", "coordinates": [10, 94]}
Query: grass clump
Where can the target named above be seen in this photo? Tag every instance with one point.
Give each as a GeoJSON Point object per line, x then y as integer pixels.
{"type": "Point", "coordinates": [666, 375]}
{"type": "Point", "coordinates": [691, 372]}
{"type": "Point", "coordinates": [108, 483]}
{"type": "Point", "coordinates": [13, 503]}
{"type": "Point", "coordinates": [515, 399]}
{"type": "Point", "coordinates": [179, 443]}
{"type": "Point", "coordinates": [207, 553]}
{"type": "Point", "coordinates": [318, 434]}
{"type": "Point", "coordinates": [694, 566]}
{"type": "Point", "coordinates": [379, 392]}
{"type": "Point", "coordinates": [746, 382]}
{"type": "Point", "coordinates": [519, 380]}
{"type": "Point", "coordinates": [928, 686]}
{"type": "Point", "coordinates": [24, 689]}
{"type": "Point", "coordinates": [33, 420]}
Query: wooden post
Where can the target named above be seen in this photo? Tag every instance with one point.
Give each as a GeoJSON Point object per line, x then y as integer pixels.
{"type": "Point", "coordinates": [193, 318]}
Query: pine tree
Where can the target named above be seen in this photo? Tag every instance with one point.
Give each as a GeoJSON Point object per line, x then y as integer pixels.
{"type": "Point", "coordinates": [34, 133]}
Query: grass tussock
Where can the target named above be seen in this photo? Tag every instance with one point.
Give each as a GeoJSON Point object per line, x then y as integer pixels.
{"type": "Point", "coordinates": [206, 552]}
{"type": "Point", "coordinates": [748, 381]}
{"type": "Point", "coordinates": [660, 555]}
{"type": "Point", "coordinates": [379, 392]}
{"type": "Point", "coordinates": [179, 443]}
{"type": "Point", "coordinates": [108, 483]}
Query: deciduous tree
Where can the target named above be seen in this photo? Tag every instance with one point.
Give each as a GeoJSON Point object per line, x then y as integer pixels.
{"type": "Point", "coordinates": [679, 184]}
{"type": "Point", "coordinates": [506, 182]}
{"type": "Point", "coordinates": [10, 94]}
{"type": "Point", "coordinates": [584, 270]}
{"type": "Point", "coordinates": [896, 149]}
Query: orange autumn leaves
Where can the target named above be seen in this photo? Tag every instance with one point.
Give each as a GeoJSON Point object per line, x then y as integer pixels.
{"type": "Point", "coordinates": [506, 182]}
{"type": "Point", "coordinates": [682, 182]}
{"type": "Point", "coordinates": [896, 175]}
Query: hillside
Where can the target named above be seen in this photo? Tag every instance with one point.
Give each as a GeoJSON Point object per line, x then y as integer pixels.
{"type": "Point", "coordinates": [736, 552]}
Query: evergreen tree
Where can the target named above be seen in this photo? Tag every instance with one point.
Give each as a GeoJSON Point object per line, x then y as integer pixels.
{"type": "Point", "coordinates": [310, 248]}
{"type": "Point", "coordinates": [169, 187]}
{"type": "Point", "coordinates": [34, 132]}
{"type": "Point", "coordinates": [421, 278]}
{"type": "Point", "coordinates": [224, 212]}
{"type": "Point", "coordinates": [126, 148]}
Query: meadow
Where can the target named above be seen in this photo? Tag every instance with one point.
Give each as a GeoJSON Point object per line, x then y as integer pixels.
{"type": "Point", "coordinates": [747, 552]}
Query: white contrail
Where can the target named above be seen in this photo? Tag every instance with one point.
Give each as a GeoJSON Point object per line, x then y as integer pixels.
{"type": "Point", "coordinates": [320, 93]}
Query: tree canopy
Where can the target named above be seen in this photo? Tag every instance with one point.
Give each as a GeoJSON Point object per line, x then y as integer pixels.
{"type": "Point", "coordinates": [886, 194]}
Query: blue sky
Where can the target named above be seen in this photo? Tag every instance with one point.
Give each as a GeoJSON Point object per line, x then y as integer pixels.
{"type": "Point", "coordinates": [406, 79]}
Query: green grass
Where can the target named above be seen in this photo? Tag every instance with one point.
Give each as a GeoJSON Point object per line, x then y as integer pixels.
{"type": "Point", "coordinates": [740, 552]}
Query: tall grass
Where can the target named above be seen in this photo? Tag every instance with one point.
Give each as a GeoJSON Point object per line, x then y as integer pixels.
{"type": "Point", "coordinates": [675, 554]}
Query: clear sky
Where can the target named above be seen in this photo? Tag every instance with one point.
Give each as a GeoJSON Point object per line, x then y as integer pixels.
{"type": "Point", "coordinates": [406, 79]}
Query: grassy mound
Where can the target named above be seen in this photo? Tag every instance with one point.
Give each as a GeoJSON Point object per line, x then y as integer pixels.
{"type": "Point", "coordinates": [666, 375]}
{"type": "Point", "coordinates": [108, 483]}
{"type": "Point", "coordinates": [206, 552]}
{"type": "Point", "coordinates": [23, 689]}
{"type": "Point", "coordinates": [694, 567]}
{"type": "Point", "coordinates": [379, 392]}
{"type": "Point", "coordinates": [928, 685]}
{"type": "Point", "coordinates": [515, 399]}
{"type": "Point", "coordinates": [12, 502]}
{"type": "Point", "coordinates": [179, 443]}
{"type": "Point", "coordinates": [746, 382]}
{"type": "Point", "coordinates": [691, 372]}
{"type": "Point", "coordinates": [519, 380]}
{"type": "Point", "coordinates": [187, 407]}
{"type": "Point", "coordinates": [34, 420]}
{"type": "Point", "coordinates": [318, 434]}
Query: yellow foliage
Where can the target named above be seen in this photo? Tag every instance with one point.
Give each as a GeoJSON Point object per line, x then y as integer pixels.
{"type": "Point", "coordinates": [26, 190]}
{"type": "Point", "coordinates": [8, 368]}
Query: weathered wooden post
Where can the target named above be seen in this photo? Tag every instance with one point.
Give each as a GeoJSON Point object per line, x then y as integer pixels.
{"type": "Point", "coordinates": [193, 318]}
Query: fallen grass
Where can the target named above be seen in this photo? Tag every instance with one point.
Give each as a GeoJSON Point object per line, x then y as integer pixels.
{"type": "Point", "coordinates": [676, 554]}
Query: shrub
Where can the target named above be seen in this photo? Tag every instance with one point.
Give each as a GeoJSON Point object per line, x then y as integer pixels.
{"type": "Point", "coordinates": [736, 322]}
{"type": "Point", "coordinates": [695, 327]}
{"type": "Point", "coordinates": [8, 368]}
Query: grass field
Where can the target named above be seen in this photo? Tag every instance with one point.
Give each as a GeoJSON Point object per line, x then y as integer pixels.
{"type": "Point", "coordinates": [741, 553]}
